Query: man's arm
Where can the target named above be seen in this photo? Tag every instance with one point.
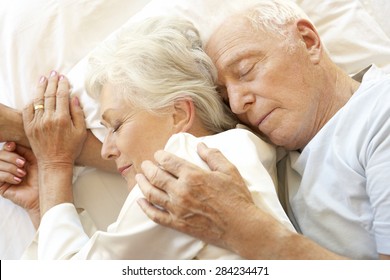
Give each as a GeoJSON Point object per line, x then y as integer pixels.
{"type": "Point", "coordinates": [216, 207]}
{"type": "Point", "coordinates": [11, 129]}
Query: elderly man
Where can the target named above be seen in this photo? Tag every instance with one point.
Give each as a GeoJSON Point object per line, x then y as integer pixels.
{"type": "Point", "coordinates": [277, 78]}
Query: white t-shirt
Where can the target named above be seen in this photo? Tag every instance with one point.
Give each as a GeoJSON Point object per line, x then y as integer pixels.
{"type": "Point", "coordinates": [135, 236]}
{"type": "Point", "coordinates": [343, 202]}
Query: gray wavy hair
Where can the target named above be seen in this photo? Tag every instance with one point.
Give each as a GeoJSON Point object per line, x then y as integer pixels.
{"type": "Point", "coordinates": [157, 62]}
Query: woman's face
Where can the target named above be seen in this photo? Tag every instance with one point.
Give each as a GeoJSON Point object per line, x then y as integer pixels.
{"type": "Point", "coordinates": [134, 134]}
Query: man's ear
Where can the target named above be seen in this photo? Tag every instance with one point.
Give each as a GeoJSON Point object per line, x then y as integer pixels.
{"type": "Point", "coordinates": [183, 115]}
{"type": "Point", "coordinates": [311, 39]}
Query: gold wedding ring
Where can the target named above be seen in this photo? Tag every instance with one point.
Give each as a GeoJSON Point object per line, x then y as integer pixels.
{"type": "Point", "coordinates": [39, 106]}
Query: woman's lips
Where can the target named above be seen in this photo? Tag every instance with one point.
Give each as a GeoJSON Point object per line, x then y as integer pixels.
{"type": "Point", "coordinates": [123, 170]}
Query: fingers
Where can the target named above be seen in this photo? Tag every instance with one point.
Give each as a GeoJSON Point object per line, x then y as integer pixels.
{"type": "Point", "coordinates": [159, 176]}
{"type": "Point", "coordinates": [26, 153]}
{"type": "Point", "coordinates": [38, 101]}
{"type": "Point", "coordinates": [152, 194]}
{"type": "Point", "coordinates": [9, 146]}
{"type": "Point", "coordinates": [171, 164]}
{"type": "Point", "coordinates": [215, 159]}
{"type": "Point", "coordinates": [77, 113]}
{"type": "Point", "coordinates": [11, 165]}
{"type": "Point", "coordinates": [62, 96]}
{"type": "Point", "coordinates": [47, 91]}
{"type": "Point", "coordinates": [3, 189]}
{"type": "Point", "coordinates": [10, 178]}
{"type": "Point", "coordinates": [154, 213]}
{"type": "Point", "coordinates": [52, 94]}
{"type": "Point", "coordinates": [51, 131]}
{"type": "Point", "coordinates": [156, 202]}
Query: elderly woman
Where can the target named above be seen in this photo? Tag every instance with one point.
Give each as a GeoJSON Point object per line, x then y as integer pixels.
{"type": "Point", "coordinates": [156, 89]}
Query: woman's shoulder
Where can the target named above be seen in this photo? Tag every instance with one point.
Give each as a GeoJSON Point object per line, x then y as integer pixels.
{"type": "Point", "coordinates": [236, 144]}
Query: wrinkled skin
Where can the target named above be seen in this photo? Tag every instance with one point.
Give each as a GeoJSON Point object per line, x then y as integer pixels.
{"type": "Point", "coordinates": [24, 192]}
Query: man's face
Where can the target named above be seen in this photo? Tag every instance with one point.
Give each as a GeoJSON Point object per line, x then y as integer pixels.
{"type": "Point", "coordinates": [267, 81]}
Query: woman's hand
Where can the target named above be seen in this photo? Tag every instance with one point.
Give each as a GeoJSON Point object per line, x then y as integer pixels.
{"type": "Point", "coordinates": [55, 127]}
{"type": "Point", "coordinates": [11, 165]}
{"type": "Point", "coordinates": [207, 205]}
{"type": "Point", "coordinates": [19, 178]}
{"type": "Point", "coordinates": [54, 124]}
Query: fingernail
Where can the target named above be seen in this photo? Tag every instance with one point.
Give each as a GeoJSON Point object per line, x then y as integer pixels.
{"type": "Point", "coordinates": [53, 73]}
{"type": "Point", "coordinates": [8, 145]}
{"type": "Point", "coordinates": [42, 79]}
{"type": "Point", "coordinates": [76, 101]}
{"type": "Point", "coordinates": [21, 172]}
{"type": "Point", "coordinates": [20, 162]}
{"type": "Point", "coordinates": [17, 179]}
{"type": "Point", "coordinates": [61, 77]}
{"type": "Point", "coordinates": [202, 145]}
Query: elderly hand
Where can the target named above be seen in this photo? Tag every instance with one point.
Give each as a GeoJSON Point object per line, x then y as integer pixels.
{"type": "Point", "coordinates": [12, 165]}
{"type": "Point", "coordinates": [204, 204]}
{"type": "Point", "coordinates": [19, 178]}
{"type": "Point", "coordinates": [55, 127]}
{"type": "Point", "coordinates": [54, 124]}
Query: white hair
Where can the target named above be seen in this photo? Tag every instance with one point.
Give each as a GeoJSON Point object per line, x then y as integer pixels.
{"type": "Point", "coordinates": [156, 62]}
{"type": "Point", "coordinates": [273, 15]}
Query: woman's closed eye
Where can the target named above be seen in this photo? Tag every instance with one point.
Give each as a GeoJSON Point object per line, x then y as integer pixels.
{"type": "Point", "coordinates": [112, 128]}
{"type": "Point", "coordinates": [116, 127]}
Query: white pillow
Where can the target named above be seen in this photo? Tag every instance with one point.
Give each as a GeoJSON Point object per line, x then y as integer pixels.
{"type": "Point", "coordinates": [42, 35]}
{"type": "Point", "coordinates": [353, 38]}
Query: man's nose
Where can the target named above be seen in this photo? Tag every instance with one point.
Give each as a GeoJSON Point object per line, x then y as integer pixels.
{"type": "Point", "coordinates": [240, 98]}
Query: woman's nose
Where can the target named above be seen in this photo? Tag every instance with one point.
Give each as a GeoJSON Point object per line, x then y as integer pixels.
{"type": "Point", "coordinates": [109, 150]}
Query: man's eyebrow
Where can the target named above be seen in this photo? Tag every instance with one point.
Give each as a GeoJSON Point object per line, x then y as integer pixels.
{"type": "Point", "coordinates": [239, 56]}
{"type": "Point", "coordinates": [232, 60]}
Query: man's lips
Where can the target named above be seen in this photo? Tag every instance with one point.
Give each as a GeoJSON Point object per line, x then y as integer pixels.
{"type": "Point", "coordinates": [263, 118]}
{"type": "Point", "coordinates": [122, 170]}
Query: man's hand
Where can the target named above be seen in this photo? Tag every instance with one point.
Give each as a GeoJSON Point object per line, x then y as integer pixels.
{"type": "Point", "coordinates": [204, 204]}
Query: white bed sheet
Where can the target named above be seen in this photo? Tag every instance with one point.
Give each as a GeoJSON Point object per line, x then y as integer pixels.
{"type": "Point", "coordinates": [37, 36]}
{"type": "Point", "coordinates": [379, 10]}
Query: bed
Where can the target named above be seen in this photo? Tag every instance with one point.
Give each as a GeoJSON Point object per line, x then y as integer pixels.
{"type": "Point", "coordinates": [40, 35]}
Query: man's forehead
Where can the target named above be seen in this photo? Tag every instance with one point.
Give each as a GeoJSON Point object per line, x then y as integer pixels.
{"type": "Point", "coordinates": [228, 27]}
{"type": "Point", "coordinates": [231, 50]}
